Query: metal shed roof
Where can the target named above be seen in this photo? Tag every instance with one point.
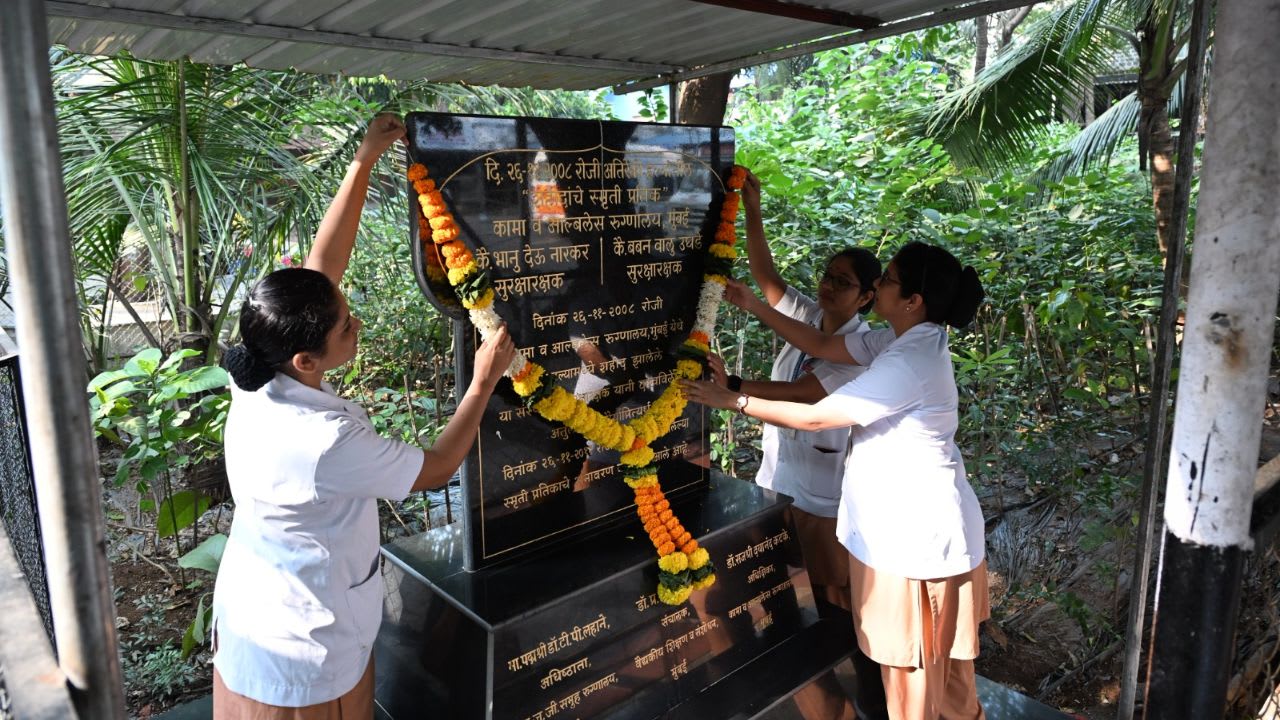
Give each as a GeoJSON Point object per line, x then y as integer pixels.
{"type": "Point", "coordinates": [571, 44]}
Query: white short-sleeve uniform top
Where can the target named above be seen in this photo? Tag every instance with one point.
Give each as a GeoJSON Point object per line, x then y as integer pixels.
{"type": "Point", "coordinates": [808, 466]}
{"type": "Point", "coordinates": [298, 598]}
{"type": "Point", "coordinates": [907, 508]}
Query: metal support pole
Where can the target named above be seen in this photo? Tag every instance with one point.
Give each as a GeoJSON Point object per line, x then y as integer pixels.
{"type": "Point", "coordinates": [1222, 382]}
{"type": "Point", "coordinates": [53, 378]}
{"type": "Point", "coordinates": [1154, 459]}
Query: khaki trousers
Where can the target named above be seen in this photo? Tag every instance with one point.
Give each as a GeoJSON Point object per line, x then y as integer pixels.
{"type": "Point", "coordinates": [356, 704]}
{"type": "Point", "coordinates": [924, 634]}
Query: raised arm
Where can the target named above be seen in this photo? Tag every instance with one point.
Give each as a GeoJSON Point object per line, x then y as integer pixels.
{"type": "Point", "coordinates": [331, 250]}
{"type": "Point", "coordinates": [806, 337]}
{"type": "Point", "coordinates": [446, 455]}
{"type": "Point", "coordinates": [759, 257]}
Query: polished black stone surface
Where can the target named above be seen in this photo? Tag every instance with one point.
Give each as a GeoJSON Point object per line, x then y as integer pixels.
{"type": "Point", "coordinates": [577, 629]}
{"type": "Point", "coordinates": [593, 234]}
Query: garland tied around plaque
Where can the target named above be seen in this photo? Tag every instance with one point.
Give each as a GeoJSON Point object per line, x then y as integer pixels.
{"type": "Point", "coordinates": [683, 566]}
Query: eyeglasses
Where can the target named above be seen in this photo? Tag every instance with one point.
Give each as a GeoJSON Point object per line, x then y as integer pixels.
{"type": "Point", "coordinates": [837, 282]}
{"type": "Point", "coordinates": [887, 279]}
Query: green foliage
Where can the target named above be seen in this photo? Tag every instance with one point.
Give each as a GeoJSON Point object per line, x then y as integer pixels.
{"type": "Point", "coordinates": [1059, 349]}
{"type": "Point", "coordinates": [166, 419]}
{"type": "Point", "coordinates": [206, 556]}
{"type": "Point", "coordinates": [151, 665]}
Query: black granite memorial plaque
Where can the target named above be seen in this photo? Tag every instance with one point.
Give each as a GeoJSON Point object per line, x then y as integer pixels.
{"type": "Point", "coordinates": [542, 604]}
{"type": "Point", "coordinates": [593, 234]}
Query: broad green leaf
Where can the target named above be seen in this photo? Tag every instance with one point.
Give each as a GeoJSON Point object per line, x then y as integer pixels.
{"type": "Point", "coordinates": [207, 555]}
{"type": "Point", "coordinates": [179, 512]}
{"type": "Point", "coordinates": [144, 363]}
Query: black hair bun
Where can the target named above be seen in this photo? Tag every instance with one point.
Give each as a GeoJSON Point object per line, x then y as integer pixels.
{"type": "Point", "coordinates": [246, 369]}
{"type": "Point", "coordinates": [969, 295]}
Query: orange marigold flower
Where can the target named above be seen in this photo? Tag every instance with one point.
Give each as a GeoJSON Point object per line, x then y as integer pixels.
{"type": "Point", "coordinates": [684, 539]}
{"type": "Point", "coordinates": [639, 443]}
{"type": "Point", "coordinates": [700, 337]}
{"type": "Point", "coordinates": [667, 548]}
{"type": "Point", "coordinates": [665, 515]}
{"type": "Point", "coordinates": [458, 262]}
{"type": "Point", "coordinates": [441, 222]}
{"type": "Point", "coordinates": [724, 234]}
{"type": "Point", "coordinates": [662, 505]}
{"type": "Point", "coordinates": [444, 235]}
{"type": "Point", "coordinates": [737, 177]}
{"type": "Point", "coordinates": [423, 187]}
{"type": "Point", "coordinates": [452, 249]}
{"type": "Point", "coordinates": [417, 171]}
{"type": "Point", "coordinates": [690, 547]}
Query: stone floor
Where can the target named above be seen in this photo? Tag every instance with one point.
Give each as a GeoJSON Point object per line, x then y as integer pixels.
{"type": "Point", "coordinates": [1000, 703]}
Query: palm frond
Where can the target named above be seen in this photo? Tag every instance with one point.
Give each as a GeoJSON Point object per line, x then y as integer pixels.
{"type": "Point", "coordinates": [994, 120]}
{"type": "Point", "coordinates": [1095, 143]}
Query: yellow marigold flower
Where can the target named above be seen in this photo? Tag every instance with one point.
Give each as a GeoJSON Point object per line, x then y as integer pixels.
{"type": "Point", "coordinates": [582, 416]}
{"type": "Point", "coordinates": [643, 456]}
{"type": "Point", "coordinates": [641, 482]}
{"type": "Point", "coordinates": [691, 369]}
{"type": "Point", "coordinates": [525, 386]}
{"type": "Point", "coordinates": [716, 279]}
{"type": "Point", "coordinates": [721, 250]}
{"type": "Point", "coordinates": [627, 439]}
{"type": "Point", "coordinates": [699, 558]}
{"type": "Point", "coordinates": [674, 563]}
{"type": "Point", "coordinates": [705, 582]}
{"type": "Point", "coordinates": [674, 597]}
{"type": "Point", "coordinates": [458, 275]}
{"type": "Point", "coordinates": [480, 303]}
{"type": "Point", "coordinates": [441, 222]}
{"type": "Point", "coordinates": [417, 171]}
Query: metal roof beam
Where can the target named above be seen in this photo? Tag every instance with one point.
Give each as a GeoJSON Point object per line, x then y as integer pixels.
{"type": "Point", "coordinates": [321, 37]}
{"type": "Point", "coordinates": [896, 28]}
{"type": "Point", "coordinates": [796, 11]}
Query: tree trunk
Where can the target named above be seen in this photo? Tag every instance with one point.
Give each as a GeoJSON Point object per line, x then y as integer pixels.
{"type": "Point", "coordinates": [980, 40]}
{"type": "Point", "coordinates": [703, 100]}
{"type": "Point", "coordinates": [188, 319]}
{"type": "Point", "coordinates": [1155, 113]}
{"type": "Point", "coordinates": [1008, 26]}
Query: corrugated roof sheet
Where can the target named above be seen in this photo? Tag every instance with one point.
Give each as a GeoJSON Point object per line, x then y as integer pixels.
{"type": "Point", "coordinates": [572, 44]}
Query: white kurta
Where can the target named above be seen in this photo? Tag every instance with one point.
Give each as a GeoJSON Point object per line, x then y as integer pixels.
{"type": "Point", "coordinates": [298, 599]}
{"type": "Point", "coordinates": [906, 507]}
{"type": "Point", "coordinates": [808, 466]}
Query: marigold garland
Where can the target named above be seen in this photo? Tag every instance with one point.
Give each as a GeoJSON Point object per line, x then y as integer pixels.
{"type": "Point", "coordinates": [683, 565]}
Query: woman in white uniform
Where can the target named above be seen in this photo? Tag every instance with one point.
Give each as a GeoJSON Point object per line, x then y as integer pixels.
{"type": "Point", "coordinates": [809, 466]}
{"type": "Point", "coordinates": [298, 599]}
{"type": "Point", "coordinates": [907, 516]}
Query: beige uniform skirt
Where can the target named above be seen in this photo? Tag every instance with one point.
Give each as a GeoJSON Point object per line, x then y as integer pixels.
{"type": "Point", "coordinates": [356, 704]}
{"type": "Point", "coordinates": [900, 620]}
